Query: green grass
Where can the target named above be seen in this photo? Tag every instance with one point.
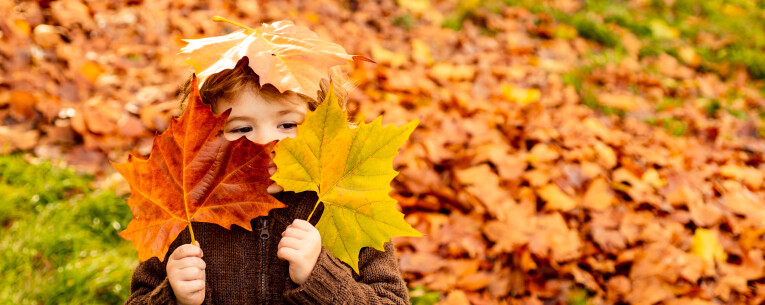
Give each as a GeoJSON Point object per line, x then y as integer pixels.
{"type": "Point", "coordinates": [59, 238]}
{"type": "Point", "coordinates": [577, 296]}
{"type": "Point", "coordinates": [674, 126]}
{"type": "Point", "coordinates": [421, 296]}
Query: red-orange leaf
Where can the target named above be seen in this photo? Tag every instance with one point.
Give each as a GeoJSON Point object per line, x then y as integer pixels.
{"type": "Point", "coordinates": [194, 174]}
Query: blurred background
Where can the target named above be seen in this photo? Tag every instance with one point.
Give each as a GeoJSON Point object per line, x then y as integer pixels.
{"type": "Point", "coordinates": [569, 151]}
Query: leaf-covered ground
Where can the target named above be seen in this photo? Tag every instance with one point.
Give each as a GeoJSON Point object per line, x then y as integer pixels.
{"type": "Point", "coordinates": [573, 152]}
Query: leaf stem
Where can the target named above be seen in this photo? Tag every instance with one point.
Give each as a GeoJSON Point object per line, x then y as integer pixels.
{"type": "Point", "coordinates": [314, 209]}
{"type": "Point", "coordinates": [219, 18]}
{"type": "Point", "coordinates": [192, 233]}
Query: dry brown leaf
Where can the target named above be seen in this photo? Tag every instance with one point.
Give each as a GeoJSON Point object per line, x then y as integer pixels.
{"type": "Point", "coordinates": [17, 137]}
{"type": "Point", "coordinates": [599, 195]}
{"type": "Point", "coordinates": [22, 105]}
{"type": "Point", "coordinates": [556, 199]}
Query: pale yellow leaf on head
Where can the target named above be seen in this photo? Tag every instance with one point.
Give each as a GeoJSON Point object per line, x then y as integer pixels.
{"type": "Point", "coordinates": [287, 56]}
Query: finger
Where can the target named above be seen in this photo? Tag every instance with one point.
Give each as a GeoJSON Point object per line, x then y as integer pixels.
{"type": "Point", "coordinates": [186, 250]}
{"type": "Point", "coordinates": [291, 231]}
{"type": "Point", "coordinates": [303, 225]}
{"type": "Point", "coordinates": [290, 242]}
{"type": "Point", "coordinates": [195, 286]}
{"type": "Point", "coordinates": [271, 167]}
{"type": "Point", "coordinates": [274, 188]}
{"type": "Point", "coordinates": [191, 262]}
{"type": "Point", "coordinates": [189, 274]}
{"type": "Point", "coordinates": [287, 254]}
{"type": "Point", "coordinates": [197, 297]}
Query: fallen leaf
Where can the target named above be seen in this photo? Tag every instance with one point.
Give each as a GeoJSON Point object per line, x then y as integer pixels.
{"type": "Point", "coordinates": [599, 195]}
{"type": "Point", "coordinates": [46, 36]}
{"type": "Point", "coordinates": [446, 71]}
{"type": "Point", "coordinates": [553, 238]}
{"type": "Point", "coordinates": [606, 155]}
{"type": "Point", "coordinates": [421, 52]}
{"type": "Point", "coordinates": [456, 297]}
{"type": "Point", "coordinates": [91, 70]}
{"type": "Point", "coordinates": [623, 101]}
{"type": "Point", "coordinates": [542, 153]}
{"type": "Point", "coordinates": [22, 105]}
{"type": "Point", "coordinates": [648, 291]}
{"type": "Point", "coordinates": [384, 56]}
{"type": "Point", "coordinates": [520, 95]}
{"type": "Point", "coordinates": [556, 199]}
{"type": "Point", "coordinates": [707, 246]}
{"type": "Point", "coordinates": [13, 138]}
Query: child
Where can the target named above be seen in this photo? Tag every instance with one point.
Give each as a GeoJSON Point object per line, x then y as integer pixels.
{"type": "Point", "coordinates": [282, 261]}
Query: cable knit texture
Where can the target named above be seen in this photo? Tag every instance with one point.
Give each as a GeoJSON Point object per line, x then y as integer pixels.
{"type": "Point", "coordinates": [235, 273]}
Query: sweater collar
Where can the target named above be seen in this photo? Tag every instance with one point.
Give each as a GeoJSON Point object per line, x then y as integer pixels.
{"type": "Point", "coordinates": [299, 206]}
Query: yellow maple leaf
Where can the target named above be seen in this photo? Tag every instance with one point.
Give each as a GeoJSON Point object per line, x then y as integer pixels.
{"type": "Point", "coordinates": [287, 56]}
{"type": "Point", "coordinates": [520, 95]}
{"type": "Point", "coordinates": [707, 245]}
{"type": "Point", "coordinates": [351, 170]}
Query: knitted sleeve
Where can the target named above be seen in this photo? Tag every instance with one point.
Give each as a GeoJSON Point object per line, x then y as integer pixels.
{"type": "Point", "coordinates": [150, 285]}
{"type": "Point", "coordinates": [332, 282]}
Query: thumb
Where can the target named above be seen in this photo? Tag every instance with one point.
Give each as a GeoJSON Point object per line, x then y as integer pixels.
{"type": "Point", "coordinates": [196, 243]}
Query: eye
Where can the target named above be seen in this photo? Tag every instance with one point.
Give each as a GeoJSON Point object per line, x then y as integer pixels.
{"type": "Point", "coordinates": [288, 125]}
{"type": "Point", "coordinates": [242, 130]}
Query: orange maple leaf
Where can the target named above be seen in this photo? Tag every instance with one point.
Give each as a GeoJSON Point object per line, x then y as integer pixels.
{"type": "Point", "coordinates": [287, 56]}
{"type": "Point", "coordinates": [194, 174]}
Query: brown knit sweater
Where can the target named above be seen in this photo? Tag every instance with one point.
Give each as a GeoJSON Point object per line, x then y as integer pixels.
{"type": "Point", "coordinates": [242, 267]}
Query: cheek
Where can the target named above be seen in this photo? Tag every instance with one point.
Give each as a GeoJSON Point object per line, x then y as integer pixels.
{"type": "Point", "coordinates": [290, 133]}
{"type": "Point", "coordinates": [282, 135]}
{"type": "Point", "coordinates": [230, 136]}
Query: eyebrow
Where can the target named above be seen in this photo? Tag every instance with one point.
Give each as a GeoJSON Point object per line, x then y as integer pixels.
{"type": "Point", "coordinates": [245, 118]}
{"type": "Point", "coordinates": [287, 111]}
{"type": "Point", "coordinates": [237, 118]}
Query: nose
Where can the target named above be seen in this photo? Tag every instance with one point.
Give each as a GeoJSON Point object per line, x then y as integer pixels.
{"type": "Point", "coordinates": [263, 136]}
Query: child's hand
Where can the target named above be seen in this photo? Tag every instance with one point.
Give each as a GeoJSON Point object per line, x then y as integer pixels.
{"type": "Point", "coordinates": [186, 273]}
{"type": "Point", "coordinates": [300, 246]}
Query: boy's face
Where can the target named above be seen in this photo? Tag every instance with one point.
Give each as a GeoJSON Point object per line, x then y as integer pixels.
{"type": "Point", "coordinates": [261, 120]}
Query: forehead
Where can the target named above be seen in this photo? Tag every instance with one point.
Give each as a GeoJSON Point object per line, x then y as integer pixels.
{"type": "Point", "coordinates": [249, 100]}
